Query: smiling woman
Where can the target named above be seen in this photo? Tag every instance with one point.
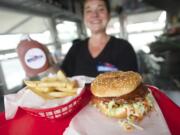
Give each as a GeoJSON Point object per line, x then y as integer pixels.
{"type": "Point", "coordinates": [100, 52]}
{"type": "Point", "coordinates": [96, 15]}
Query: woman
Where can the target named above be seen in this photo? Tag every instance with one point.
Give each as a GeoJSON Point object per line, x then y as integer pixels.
{"type": "Point", "coordinates": [101, 52]}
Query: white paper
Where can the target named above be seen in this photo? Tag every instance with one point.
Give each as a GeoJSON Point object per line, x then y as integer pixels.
{"type": "Point", "coordinates": [89, 121]}
{"type": "Point", "coordinates": [27, 98]}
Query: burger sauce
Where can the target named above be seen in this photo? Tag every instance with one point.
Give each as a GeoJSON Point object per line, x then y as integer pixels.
{"type": "Point", "coordinates": [33, 57]}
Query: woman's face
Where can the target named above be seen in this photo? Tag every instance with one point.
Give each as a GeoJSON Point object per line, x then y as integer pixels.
{"type": "Point", "coordinates": [96, 15]}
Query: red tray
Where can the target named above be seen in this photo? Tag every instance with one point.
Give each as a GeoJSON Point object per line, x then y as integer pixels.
{"type": "Point", "coordinates": [25, 124]}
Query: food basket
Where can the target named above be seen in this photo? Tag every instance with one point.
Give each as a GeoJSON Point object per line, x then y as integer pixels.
{"type": "Point", "coordinates": [59, 111]}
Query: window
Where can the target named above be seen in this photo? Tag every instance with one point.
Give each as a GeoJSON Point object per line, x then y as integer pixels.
{"type": "Point", "coordinates": [9, 41]}
{"type": "Point", "coordinates": [113, 27]}
{"type": "Point", "coordinates": [14, 26]}
{"type": "Point", "coordinates": [139, 40]}
{"type": "Point", "coordinates": [144, 28]}
{"type": "Point", "coordinates": [13, 73]}
{"type": "Point", "coordinates": [67, 32]}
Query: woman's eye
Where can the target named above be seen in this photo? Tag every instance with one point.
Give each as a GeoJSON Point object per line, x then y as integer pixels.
{"type": "Point", "coordinates": [101, 9]}
{"type": "Point", "coordinates": [88, 11]}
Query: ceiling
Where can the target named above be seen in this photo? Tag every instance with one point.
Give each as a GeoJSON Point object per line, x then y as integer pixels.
{"type": "Point", "coordinates": [15, 22]}
{"type": "Point", "coordinates": [171, 6]}
{"type": "Point", "coordinates": [15, 13]}
{"type": "Point", "coordinates": [62, 7]}
{"type": "Point", "coordinates": [144, 17]}
{"type": "Point", "coordinates": [72, 8]}
{"type": "Point", "coordinates": [32, 16]}
{"type": "Point", "coordinates": [50, 8]}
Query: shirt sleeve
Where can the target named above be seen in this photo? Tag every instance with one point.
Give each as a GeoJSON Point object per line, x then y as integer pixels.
{"type": "Point", "coordinates": [68, 64]}
{"type": "Point", "coordinates": [129, 57]}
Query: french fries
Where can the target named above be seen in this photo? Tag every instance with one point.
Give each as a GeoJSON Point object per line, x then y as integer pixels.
{"type": "Point", "coordinates": [58, 86]}
{"type": "Point", "coordinates": [61, 75]}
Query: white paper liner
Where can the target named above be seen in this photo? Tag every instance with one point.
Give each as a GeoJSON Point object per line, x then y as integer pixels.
{"type": "Point", "coordinates": [89, 121]}
{"type": "Point", "coordinates": [27, 98]}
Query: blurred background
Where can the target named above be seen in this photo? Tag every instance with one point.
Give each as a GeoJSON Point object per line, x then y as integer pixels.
{"type": "Point", "coordinates": [151, 26]}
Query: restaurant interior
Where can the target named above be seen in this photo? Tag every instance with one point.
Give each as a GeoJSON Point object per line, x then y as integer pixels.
{"type": "Point", "coordinates": [151, 26]}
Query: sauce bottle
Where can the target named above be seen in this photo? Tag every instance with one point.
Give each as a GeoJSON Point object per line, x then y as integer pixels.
{"type": "Point", "coordinates": [33, 56]}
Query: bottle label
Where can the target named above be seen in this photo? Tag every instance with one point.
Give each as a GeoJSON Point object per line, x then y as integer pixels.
{"type": "Point", "coordinates": [35, 58]}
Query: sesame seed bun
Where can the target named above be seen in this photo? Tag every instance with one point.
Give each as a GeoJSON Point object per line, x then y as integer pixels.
{"type": "Point", "coordinates": [115, 84]}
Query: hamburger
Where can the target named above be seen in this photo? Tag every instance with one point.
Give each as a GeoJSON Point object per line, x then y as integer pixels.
{"type": "Point", "coordinates": [122, 95]}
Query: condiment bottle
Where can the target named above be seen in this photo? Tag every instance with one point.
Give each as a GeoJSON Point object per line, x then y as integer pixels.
{"type": "Point", "coordinates": [34, 56]}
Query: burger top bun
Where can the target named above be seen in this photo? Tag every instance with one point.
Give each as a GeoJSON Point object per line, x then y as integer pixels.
{"type": "Point", "coordinates": [115, 84]}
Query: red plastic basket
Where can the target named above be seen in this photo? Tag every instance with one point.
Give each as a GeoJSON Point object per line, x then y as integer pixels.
{"type": "Point", "coordinates": [59, 111]}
